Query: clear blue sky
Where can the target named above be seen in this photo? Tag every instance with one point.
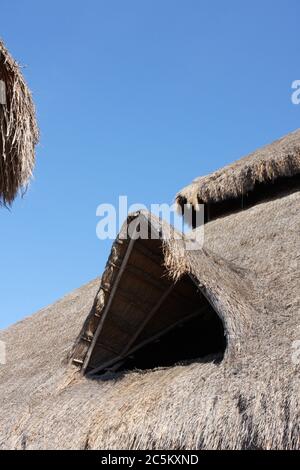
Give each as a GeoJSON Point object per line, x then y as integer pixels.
{"type": "Point", "coordinates": [133, 97]}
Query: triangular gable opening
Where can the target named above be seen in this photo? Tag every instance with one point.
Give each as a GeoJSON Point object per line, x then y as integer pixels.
{"type": "Point", "coordinates": [195, 332]}
{"type": "Point", "coordinates": [151, 321]}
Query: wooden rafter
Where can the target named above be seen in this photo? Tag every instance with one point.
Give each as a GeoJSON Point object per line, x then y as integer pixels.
{"type": "Point", "coordinates": [112, 293]}
{"type": "Point", "coordinates": [121, 357]}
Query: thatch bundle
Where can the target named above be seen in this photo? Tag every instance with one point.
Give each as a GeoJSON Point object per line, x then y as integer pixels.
{"type": "Point", "coordinates": [18, 129]}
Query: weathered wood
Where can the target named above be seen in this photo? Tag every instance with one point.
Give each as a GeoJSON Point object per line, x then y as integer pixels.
{"type": "Point", "coordinates": [167, 329]}
{"type": "Point", "coordinates": [136, 301]}
{"type": "Point", "coordinates": [150, 254]}
{"type": "Point", "coordinates": [77, 361]}
{"type": "Point", "coordinates": [158, 284]}
{"type": "Point", "coordinates": [148, 318]}
{"type": "Point", "coordinates": [122, 357]}
{"type": "Point", "coordinates": [142, 274]}
{"type": "Point", "coordinates": [112, 293]}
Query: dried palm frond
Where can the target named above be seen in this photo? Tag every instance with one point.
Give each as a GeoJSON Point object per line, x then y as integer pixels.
{"type": "Point", "coordinates": [18, 130]}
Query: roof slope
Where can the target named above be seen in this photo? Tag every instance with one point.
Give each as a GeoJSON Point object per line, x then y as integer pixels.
{"type": "Point", "coordinates": [250, 400]}
{"type": "Point", "coordinates": [279, 159]}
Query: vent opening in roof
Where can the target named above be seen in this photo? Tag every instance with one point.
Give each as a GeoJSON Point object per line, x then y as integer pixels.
{"type": "Point", "coordinates": [199, 337]}
{"type": "Point", "coordinates": [153, 321]}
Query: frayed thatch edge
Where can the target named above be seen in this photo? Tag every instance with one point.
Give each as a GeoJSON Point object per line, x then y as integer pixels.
{"type": "Point", "coordinates": [279, 159]}
{"type": "Point", "coordinates": [175, 260]}
{"type": "Point", "coordinates": [19, 132]}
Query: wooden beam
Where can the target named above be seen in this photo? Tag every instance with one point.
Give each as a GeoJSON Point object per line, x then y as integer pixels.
{"type": "Point", "coordinates": [106, 348]}
{"type": "Point", "coordinates": [142, 274]}
{"type": "Point", "coordinates": [170, 291]}
{"type": "Point", "coordinates": [135, 300]}
{"type": "Point", "coordinates": [166, 330]}
{"type": "Point", "coordinates": [77, 361]}
{"type": "Point", "coordinates": [148, 318]}
{"type": "Point", "coordinates": [120, 357]}
{"type": "Point", "coordinates": [160, 283]}
{"type": "Point", "coordinates": [157, 258]}
{"type": "Point", "coordinates": [113, 291]}
{"type": "Point", "coordinates": [143, 324]}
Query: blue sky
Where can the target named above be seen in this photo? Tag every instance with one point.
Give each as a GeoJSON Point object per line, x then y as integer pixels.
{"type": "Point", "coordinates": [134, 98]}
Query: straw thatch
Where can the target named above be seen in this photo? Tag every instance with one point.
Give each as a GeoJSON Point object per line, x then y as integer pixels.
{"type": "Point", "coordinates": [18, 130]}
{"type": "Point", "coordinates": [268, 165]}
{"type": "Point", "coordinates": [136, 266]}
{"type": "Point", "coordinates": [68, 382]}
{"type": "Point", "coordinates": [249, 271]}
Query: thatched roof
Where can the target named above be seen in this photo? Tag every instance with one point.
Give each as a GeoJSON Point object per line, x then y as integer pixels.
{"type": "Point", "coordinates": [140, 266]}
{"type": "Point", "coordinates": [18, 129]}
{"type": "Point", "coordinates": [257, 172]}
{"type": "Point", "coordinates": [248, 273]}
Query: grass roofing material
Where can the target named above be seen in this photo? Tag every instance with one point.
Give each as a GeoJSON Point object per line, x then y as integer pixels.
{"type": "Point", "coordinates": [18, 130]}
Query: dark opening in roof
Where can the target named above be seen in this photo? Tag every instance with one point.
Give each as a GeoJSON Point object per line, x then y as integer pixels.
{"type": "Point", "coordinates": [267, 173]}
{"type": "Point", "coordinates": [151, 321]}
{"type": "Point", "coordinates": [197, 335]}
{"type": "Point", "coordinates": [261, 192]}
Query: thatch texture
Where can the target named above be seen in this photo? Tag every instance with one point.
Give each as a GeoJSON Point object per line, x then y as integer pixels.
{"type": "Point", "coordinates": [250, 270]}
{"type": "Point", "coordinates": [228, 289]}
{"type": "Point", "coordinates": [281, 159]}
{"type": "Point", "coordinates": [18, 130]}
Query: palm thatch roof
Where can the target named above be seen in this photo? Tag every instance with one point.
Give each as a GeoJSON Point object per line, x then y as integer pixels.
{"type": "Point", "coordinates": [18, 129]}
{"type": "Point", "coordinates": [232, 187]}
{"type": "Point", "coordinates": [247, 274]}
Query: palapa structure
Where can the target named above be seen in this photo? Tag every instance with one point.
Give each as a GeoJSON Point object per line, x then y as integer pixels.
{"type": "Point", "coordinates": [18, 130]}
{"type": "Point", "coordinates": [178, 348]}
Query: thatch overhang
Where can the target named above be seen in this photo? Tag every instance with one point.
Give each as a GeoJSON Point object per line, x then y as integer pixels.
{"type": "Point", "coordinates": [150, 288]}
{"type": "Point", "coordinates": [263, 174]}
{"type": "Point", "coordinates": [18, 129]}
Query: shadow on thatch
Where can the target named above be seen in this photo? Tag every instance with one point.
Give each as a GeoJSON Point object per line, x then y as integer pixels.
{"type": "Point", "coordinates": [121, 374]}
